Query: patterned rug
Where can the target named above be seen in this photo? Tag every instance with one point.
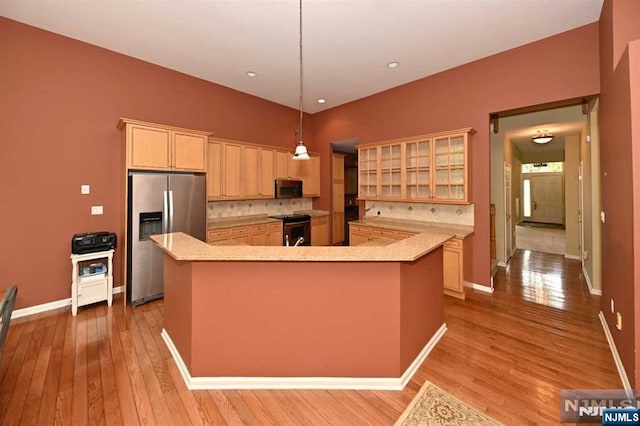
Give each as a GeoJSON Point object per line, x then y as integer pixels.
{"type": "Point", "coordinates": [433, 406]}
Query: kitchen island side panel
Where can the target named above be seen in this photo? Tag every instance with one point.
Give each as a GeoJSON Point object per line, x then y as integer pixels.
{"type": "Point", "coordinates": [288, 319]}
{"type": "Point", "coordinates": [178, 305]}
{"type": "Point", "coordinates": [421, 304]}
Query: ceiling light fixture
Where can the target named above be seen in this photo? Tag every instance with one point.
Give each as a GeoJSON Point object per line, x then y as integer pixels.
{"type": "Point", "coordinates": [322, 101]}
{"type": "Point", "coordinates": [542, 137]}
{"type": "Point", "coordinates": [252, 74]}
{"type": "Point", "coordinates": [301, 150]}
{"type": "Point", "coordinates": [393, 64]}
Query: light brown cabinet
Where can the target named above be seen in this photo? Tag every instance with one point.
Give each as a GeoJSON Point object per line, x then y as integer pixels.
{"type": "Point", "coordinates": [320, 231]}
{"type": "Point", "coordinates": [309, 172]}
{"type": "Point", "coordinates": [156, 147]}
{"type": "Point", "coordinates": [241, 171]}
{"type": "Point", "coordinates": [264, 234]}
{"type": "Point", "coordinates": [427, 168]}
{"type": "Point", "coordinates": [453, 253]}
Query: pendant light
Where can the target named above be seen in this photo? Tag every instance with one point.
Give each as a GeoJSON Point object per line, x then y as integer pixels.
{"type": "Point", "coordinates": [301, 150]}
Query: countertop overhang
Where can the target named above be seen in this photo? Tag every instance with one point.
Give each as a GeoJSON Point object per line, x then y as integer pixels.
{"type": "Point", "coordinates": [181, 246]}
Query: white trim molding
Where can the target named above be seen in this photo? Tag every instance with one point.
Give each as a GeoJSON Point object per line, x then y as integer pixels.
{"type": "Point", "coordinates": [572, 256]}
{"type": "Point", "coordinates": [480, 287]}
{"type": "Point", "coordinates": [593, 291]}
{"type": "Point", "coordinates": [50, 306]}
{"type": "Point", "coordinates": [616, 356]}
{"type": "Point", "coordinates": [351, 383]}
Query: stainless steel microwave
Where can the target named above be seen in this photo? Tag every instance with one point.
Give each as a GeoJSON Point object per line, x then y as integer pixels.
{"type": "Point", "coordinates": [288, 188]}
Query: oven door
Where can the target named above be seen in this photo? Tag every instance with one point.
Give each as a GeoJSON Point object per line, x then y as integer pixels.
{"type": "Point", "coordinates": [293, 231]}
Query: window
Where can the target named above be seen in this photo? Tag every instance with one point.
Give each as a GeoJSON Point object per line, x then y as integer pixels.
{"type": "Point", "coordinates": [542, 167]}
{"type": "Point", "coordinates": [526, 196]}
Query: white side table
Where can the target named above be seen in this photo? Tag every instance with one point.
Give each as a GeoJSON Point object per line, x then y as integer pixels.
{"type": "Point", "coordinates": [92, 289]}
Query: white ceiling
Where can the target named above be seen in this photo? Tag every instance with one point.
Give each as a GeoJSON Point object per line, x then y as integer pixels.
{"type": "Point", "coordinates": [346, 43]}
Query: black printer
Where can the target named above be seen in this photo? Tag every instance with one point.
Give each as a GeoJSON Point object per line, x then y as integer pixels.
{"type": "Point", "coordinates": [92, 242]}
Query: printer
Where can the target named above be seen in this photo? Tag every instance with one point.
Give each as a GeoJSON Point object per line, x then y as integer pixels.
{"type": "Point", "coordinates": [92, 242]}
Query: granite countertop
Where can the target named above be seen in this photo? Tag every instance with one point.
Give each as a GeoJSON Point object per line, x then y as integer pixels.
{"type": "Point", "coordinates": [181, 246]}
{"type": "Point", "coordinates": [460, 231]}
{"type": "Point", "coordinates": [230, 222]}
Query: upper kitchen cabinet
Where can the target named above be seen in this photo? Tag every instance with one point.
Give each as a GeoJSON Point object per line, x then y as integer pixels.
{"type": "Point", "coordinates": [258, 178]}
{"type": "Point", "coordinates": [225, 170]}
{"type": "Point", "coordinates": [309, 172]}
{"type": "Point", "coordinates": [152, 146]}
{"type": "Point", "coordinates": [368, 172]}
{"type": "Point", "coordinates": [430, 168]}
{"type": "Point", "coordinates": [283, 159]}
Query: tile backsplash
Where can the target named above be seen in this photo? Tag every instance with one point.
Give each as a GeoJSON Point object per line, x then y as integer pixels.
{"type": "Point", "coordinates": [459, 214]}
{"type": "Point", "coordinates": [218, 209]}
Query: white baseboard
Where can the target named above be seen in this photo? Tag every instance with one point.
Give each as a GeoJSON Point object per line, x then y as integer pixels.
{"type": "Point", "coordinates": [616, 357]}
{"type": "Point", "coordinates": [351, 383]}
{"type": "Point", "coordinates": [50, 306]}
{"type": "Point", "coordinates": [502, 264]}
{"type": "Point", "coordinates": [480, 287]}
{"type": "Point", "coordinates": [593, 291]}
{"type": "Point", "coordinates": [572, 256]}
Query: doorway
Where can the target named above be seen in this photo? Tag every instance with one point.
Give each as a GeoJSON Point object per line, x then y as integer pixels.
{"type": "Point", "coordinates": [543, 198]}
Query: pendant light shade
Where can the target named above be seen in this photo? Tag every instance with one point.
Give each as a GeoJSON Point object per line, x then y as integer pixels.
{"type": "Point", "coordinates": [301, 150]}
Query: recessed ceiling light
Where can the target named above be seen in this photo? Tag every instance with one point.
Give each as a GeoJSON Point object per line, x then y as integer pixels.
{"type": "Point", "coordinates": [393, 64]}
{"type": "Point", "coordinates": [252, 74]}
{"type": "Point", "coordinates": [321, 101]}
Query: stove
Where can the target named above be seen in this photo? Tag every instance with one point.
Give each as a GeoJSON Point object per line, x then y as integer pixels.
{"type": "Point", "coordinates": [294, 227]}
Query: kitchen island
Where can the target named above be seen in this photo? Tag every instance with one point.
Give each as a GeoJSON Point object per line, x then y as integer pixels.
{"type": "Point", "coordinates": [302, 317]}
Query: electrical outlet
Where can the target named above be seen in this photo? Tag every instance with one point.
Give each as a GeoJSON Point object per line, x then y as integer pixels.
{"type": "Point", "coordinates": [613, 306]}
{"type": "Point", "coordinates": [96, 210]}
{"type": "Point", "coordinates": [618, 320]}
{"type": "Point", "coordinates": [602, 216]}
{"type": "Point", "coordinates": [85, 189]}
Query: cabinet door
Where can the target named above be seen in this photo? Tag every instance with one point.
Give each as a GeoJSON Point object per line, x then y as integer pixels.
{"type": "Point", "coordinates": [214, 171]}
{"type": "Point", "coordinates": [452, 268]}
{"type": "Point", "coordinates": [309, 172]}
{"type": "Point", "coordinates": [274, 237]}
{"type": "Point", "coordinates": [251, 179]}
{"type": "Point", "coordinates": [368, 173]}
{"type": "Point", "coordinates": [189, 152]}
{"type": "Point", "coordinates": [357, 238]}
{"type": "Point", "coordinates": [320, 231]}
{"type": "Point", "coordinates": [267, 173]}
{"type": "Point", "coordinates": [450, 168]}
{"type": "Point", "coordinates": [258, 239]}
{"type": "Point", "coordinates": [391, 172]}
{"type": "Point", "coordinates": [149, 148]}
{"type": "Point", "coordinates": [283, 158]}
{"type": "Point", "coordinates": [232, 171]}
{"type": "Point", "coordinates": [418, 170]}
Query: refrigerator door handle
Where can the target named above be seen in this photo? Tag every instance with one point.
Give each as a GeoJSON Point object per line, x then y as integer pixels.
{"type": "Point", "coordinates": [170, 211]}
{"type": "Point", "coordinates": [165, 212]}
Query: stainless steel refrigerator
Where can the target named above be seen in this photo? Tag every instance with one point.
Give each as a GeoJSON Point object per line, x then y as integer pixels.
{"type": "Point", "coordinates": [159, 203]}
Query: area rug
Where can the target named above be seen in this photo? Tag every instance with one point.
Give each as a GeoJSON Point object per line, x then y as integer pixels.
{"type": "Point", "coordinates": [433, 406]}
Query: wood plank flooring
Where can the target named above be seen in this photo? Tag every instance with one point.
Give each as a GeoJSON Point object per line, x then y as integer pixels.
{"type": "Point", "coordinates": [508, 354]}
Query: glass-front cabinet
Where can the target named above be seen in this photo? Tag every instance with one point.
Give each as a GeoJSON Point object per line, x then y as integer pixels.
{"type": "Point", "coordinates": [424, 168]}
{"type": "Point", "coordinates": [368, 172]}
{"type": "Point", "coordinates": [391, 171]}
{"type": "Point", "coordinates": [418, 169]}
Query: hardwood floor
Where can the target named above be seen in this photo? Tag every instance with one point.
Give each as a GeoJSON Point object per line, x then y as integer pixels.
{"type": "Point", "coordinates": [508, 354]}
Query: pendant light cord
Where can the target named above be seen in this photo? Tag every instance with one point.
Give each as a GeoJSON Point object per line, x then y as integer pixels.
{"type": "Point", "coordinates": [300, 124]}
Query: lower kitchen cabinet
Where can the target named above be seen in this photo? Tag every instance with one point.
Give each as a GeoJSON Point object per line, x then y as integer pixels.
{"type": "Point", "coordinates": [267, 234]}
{"type": "Point", "coordinates": [320, 231]}
{"type": "Point", "coordinates": [453, 253]}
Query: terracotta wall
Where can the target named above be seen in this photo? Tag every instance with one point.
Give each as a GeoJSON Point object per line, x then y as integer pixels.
{"type": "Point", "coordinates": [61, 100]}
{"type": "Point", "coordinates": [617, 183]}
{"type": "Point", "coordinates": [464, 97]}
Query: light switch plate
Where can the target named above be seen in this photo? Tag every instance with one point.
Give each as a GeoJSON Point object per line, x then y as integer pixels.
{"type": "Point", "coordinates": [96, 210]}
{"type": "Point", "coordinates": [85, 189]}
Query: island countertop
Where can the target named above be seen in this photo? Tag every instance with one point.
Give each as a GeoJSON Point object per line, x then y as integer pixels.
{"type": "Point", "coordinates": [181, 246]}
